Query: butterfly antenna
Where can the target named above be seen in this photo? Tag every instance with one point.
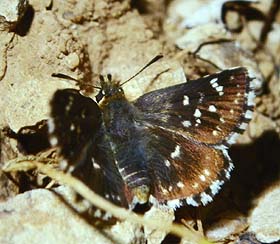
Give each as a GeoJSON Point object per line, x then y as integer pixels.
{"type": "Point", "coordinates": [156, 58]}
{"type": "Point", "coordinates": [63, 76]}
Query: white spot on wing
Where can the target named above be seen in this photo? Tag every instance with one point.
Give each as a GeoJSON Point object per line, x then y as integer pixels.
{"type": "Point", "coordinates": [97, 213]}
{"type": "Point", "coordinates": [233, 137]}
{"type": "Point", "coordinates": [51, 125]}
{"type": "Point", "coordinates": [216, 186]}
{"type": "Point", "coordinates": [122, 170]}
{"type": "Point", "coordinates": [212, 108]}
{"type": "Point", "coordinates": [215, 85]}
{"type": "Point", "coordinates": [251, 96]}
{"type": "Point", "coordinates": [94, 164]}
{"type": "Point", "coordinates": [198, 121]}
{"type": "Point", "coordinates": [202, 178]}
{"type": "Point", "coordinates": [153, 200]}
{"type": "Point", "coordinates": [180, 184]}
{"type": "Point", "coordinates": [174, 203]}
{"type": "Point", "coordinates": [53, 141]}
{"type": "Point", "coordinates": [72, 127]}
{"type": "Point", "coordinates": [167, 163]}
{"type": "Point", "coordinates": [219, 88]}
{"type": "Point", "coordinates": [186, 100]}
{"type": "Point", "coordinates": [219, 128]}
{"type": "Point", "coordinates": [191, 201]}
{"type": "Point", "coordinates": [205, 198]}
{"type": "Point", "coordinates": [197, 113]}
{"type": "Point", "coordinates": [186, 123]}
{"type": "Point", "coordinates": [213, 81]}
{"type": "Point", "coordinates": [248, 114]}
{"type": "Point", "coordinates": [243, 126]}
{"type": "Point", "coordinates": [176, 152]}
{"type": "Point", "coordinates": [206, 172]}
{"type": "Point", "coordinates": [215, 133]}
{"type": "Point", "coordinates": [255, 84]}
{"type": "Point", "coordinates": [224, 149]}
{"type": "Point", "coordinates": [107, 216]}
{"type": "Point", "coordinates": [67, 108]}
{"type": "Point", "coordinates": [201, 97]}
{"type": "Point", "coordinates": [195, 185]}
{"type": "Point", "coordinates": [227, 174]}
{"type": "Point", "coordinates": [230, 167]}
{"type": "Point", "coordinates": [228, 170]}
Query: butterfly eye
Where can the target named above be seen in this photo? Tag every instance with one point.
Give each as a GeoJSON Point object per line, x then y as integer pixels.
{"type": "Point", "coordinates": [99, 96]}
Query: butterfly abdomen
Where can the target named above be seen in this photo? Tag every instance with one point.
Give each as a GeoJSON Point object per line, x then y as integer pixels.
{"type": "Point", "coordinates": [128, 145]}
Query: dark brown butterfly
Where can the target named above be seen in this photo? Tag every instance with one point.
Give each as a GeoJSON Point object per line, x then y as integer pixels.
{"type": "Point", "coordinates": [169, 146]}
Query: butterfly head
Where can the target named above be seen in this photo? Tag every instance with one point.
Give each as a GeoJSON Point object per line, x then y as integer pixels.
{"type": "Point", "coordinates": [112, 89]}
{"type": "Point", "coordinates": [109, 88]}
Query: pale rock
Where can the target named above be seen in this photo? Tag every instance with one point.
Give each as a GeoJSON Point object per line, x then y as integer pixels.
{"type": "Point", "coordinates": [162, 215]}
{"type": "Point", "coordinates": [264, 220]}
{"type": "Point", "coordinates": [11, 11]}
{"type": "Point", "coordinates": [226, 226]}
{"type": "Point", "coordinates": [40, 216]}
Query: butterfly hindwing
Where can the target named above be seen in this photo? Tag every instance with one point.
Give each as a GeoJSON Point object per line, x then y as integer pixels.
{"type": "Point", "coordinates": [185, 172]}
{"type": "Point", "coordinates": [100, 173]}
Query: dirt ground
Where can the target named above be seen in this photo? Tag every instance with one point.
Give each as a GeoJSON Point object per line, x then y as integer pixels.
{"type": "Point", "coordinates": [86, 38]}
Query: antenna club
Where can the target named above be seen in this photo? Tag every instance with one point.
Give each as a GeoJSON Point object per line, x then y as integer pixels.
{"type": "Point", "coordinates": [155, 59]}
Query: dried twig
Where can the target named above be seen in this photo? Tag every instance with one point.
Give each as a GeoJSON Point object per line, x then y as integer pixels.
{"type": "Point", "coordinates": [275, 5]}
{"type": "Point", "coordinates": [120, 213]}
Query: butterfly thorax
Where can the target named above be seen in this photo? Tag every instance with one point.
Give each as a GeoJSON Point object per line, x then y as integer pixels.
{"type": "Point", "coordinates": [126, 139]}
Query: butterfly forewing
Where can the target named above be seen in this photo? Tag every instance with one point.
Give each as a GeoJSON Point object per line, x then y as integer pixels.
{"type": "Point", "coordinates": [75, 127]}
{"type": "Point", "coordinates": [210, 110]}
{"type": "Point", "coordinates": [75, 119]}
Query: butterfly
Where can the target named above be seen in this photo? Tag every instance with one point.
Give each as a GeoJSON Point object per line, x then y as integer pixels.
{"type": "Point", "coordinates": [168, 147]}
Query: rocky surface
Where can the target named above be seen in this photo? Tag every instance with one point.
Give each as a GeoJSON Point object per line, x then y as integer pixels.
{"type": "Point", "coordinates": [83, 39]}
